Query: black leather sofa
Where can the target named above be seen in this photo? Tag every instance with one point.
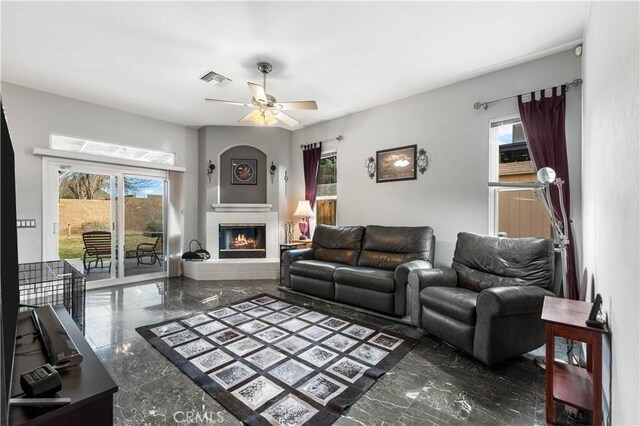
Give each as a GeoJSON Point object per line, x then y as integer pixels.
{"type": "Point", "coordinates": [367, 267]}
{"type": "Point", "coordinates": [489, 302]}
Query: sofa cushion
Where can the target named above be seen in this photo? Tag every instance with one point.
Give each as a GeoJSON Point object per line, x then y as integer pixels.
{"type": "Point", "coordinates": [365, 298]}
{"type": "Point", "coordinates": [369, 278]}
{"type": "Point", "coordinates": [314, 269]}
{"type": "Point", "coordinates": [482, 261]}
{"type": "Point", "coordinates": [340, 244]}
{"type": "Point", "coordinates": [455, 302]}
{"type": "Point", "coordinates": [314, 287]}
{"type": "Point", "coordinates": [386, 247]}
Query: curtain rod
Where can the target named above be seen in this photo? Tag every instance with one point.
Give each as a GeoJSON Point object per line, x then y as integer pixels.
{"type": "Point", "coordinates": [339, 138]}
{"type": "Point", "coordinates": [577, 82]}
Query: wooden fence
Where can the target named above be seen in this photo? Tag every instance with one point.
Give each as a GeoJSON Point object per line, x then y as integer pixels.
{"type": "Point", "coordinates": [326, 212]}
{"type": "Point", "coordinates": [139, 214]}
{"type": "Point", "coordinates": [520, 214]}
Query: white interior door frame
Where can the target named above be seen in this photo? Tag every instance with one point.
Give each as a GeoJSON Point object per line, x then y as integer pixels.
{"type": "Point", "coordinates": [50, 214]}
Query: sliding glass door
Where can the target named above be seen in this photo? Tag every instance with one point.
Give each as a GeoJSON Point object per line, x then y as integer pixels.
{"type": "Point", "coordinates": [85, 229]}
{"type": "Point", "coordinates": [144, 233]}
{"type": "Point", "coordinates": [110, 223]}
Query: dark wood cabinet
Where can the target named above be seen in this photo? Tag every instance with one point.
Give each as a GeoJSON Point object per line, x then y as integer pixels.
{"type": "Point", "coordinates": [88, 385]}
{"type": "Point", "coordinates": [571, 384]}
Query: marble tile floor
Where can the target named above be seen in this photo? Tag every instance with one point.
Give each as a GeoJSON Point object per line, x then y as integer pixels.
{"type": "Point", "coordinates": [434, 384]}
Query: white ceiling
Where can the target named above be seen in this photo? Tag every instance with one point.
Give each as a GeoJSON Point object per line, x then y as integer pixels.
{"type": "Point", "coordinates": [147, 57]}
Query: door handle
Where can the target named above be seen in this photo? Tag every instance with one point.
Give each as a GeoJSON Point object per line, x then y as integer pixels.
{"type": "Point", "coordinates": [56, 228]}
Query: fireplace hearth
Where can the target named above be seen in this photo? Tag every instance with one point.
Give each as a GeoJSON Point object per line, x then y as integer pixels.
{"type": "Point", "coordinates": [242, 240]}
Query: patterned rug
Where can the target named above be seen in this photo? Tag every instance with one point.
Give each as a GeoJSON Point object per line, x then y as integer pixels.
{"type": "Point", "coordinates": [274, 362]}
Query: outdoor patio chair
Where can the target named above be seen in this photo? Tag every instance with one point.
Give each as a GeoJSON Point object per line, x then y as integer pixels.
{"type": "Point", "coordinates": [150, 250]}
{"type": "Point", "coordinates": [97, 246]}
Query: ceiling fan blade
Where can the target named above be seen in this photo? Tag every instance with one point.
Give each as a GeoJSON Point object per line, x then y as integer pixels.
{"type": "Point", "coordinates": [222, 101]}
{"type": "Point", "coordinates": [257, 92]}
{"type": "Point", "coordinates": [298, 105]}
{"type": "Point", "coordinates": [287, 119]}
{"type": "Point", "coordinates": [252, 117]}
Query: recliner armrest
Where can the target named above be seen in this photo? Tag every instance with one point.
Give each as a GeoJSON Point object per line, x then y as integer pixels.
{"type": "Point", "coordinates": [402, 294]}
{"type": "Point", "coordinates": [421, 278]}
{"type": "Point", "coordinates": [508, 322]}
{"type": "Point", "coordinates": [517, 300]}
{"type": "Point", "coordinates": [435, 277]}
{"type": "Point", "coordinates": [290, 256]}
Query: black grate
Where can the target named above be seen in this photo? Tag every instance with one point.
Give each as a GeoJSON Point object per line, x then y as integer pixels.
{"type": "Point", "coordinates": [55, 282]}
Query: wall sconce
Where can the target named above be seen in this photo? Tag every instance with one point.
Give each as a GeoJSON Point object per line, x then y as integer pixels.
{"type": "Point", "coordinates": [422, 160]}
{"type": "Point", "coordinates": [272, 171]}
{"type": "Point", "coordinates": [210, 169]}
{"type": "Point", "coordinates": [370, 167]}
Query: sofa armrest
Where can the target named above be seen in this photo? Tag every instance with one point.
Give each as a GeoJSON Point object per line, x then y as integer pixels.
{"type": "Point", "coordinates": [401, 274]}
{"type": "Point", "coordinates": [402, 294]}
{"type": "Point", "coordinates": [422, 278]}
{"type": "Point", "coordinates": [290, 256]}
{"type": "Point", "coordinates": [517, 300]}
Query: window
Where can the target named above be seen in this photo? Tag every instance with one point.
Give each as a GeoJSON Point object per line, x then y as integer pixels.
{"type": "Point", "coordinates": [327, 195]}
{"type": "Point", "coordinates": [514, 212]}
{"type": "Point", "coordinates": [104, 149]}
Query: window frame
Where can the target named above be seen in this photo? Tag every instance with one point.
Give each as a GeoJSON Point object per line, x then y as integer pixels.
{"type": "Point", "coordinates": [494, 171]}
{"type": "Point", "coordinates": [327, 154]}
{"type": "Point", "coordinates": [54, 137]}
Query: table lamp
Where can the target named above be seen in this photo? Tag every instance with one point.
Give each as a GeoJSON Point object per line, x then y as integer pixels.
{"type": "Point", "coordinates": [304, 211]}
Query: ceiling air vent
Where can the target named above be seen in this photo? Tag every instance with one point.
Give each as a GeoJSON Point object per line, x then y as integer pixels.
{"type": "Point", "coordinates": [219, 80]}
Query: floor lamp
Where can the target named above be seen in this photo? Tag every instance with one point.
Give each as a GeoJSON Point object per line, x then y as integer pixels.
{"type": "Point", "coordinates": [547, 177]}
{"type": "Point", "coordinates": [542, 190]}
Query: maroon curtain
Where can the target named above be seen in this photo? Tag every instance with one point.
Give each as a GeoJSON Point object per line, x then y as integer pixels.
{"type": "Point", "coordinates": [311, 161]}
{"type": "Point", "coordinates": [543, 123]}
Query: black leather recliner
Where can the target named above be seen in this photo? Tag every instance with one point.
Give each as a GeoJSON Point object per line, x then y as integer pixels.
{"type": "Point", "coordinates": [366, 267]}
{"type": "Point", "coordinates": [489, 302]}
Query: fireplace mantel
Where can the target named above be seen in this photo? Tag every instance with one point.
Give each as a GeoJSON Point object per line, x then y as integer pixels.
{"type": "Point", "coordinates": [237, 207]}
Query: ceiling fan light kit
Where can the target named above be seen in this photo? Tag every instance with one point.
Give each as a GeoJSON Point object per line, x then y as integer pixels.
{"type": "Point", "coordinates": [268, 111]}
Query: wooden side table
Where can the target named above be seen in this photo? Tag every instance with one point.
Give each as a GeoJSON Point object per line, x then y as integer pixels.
{"type": "Point", "coordinates": [295, 244]}
{"type": "Point", "coordinates": [572, 385]}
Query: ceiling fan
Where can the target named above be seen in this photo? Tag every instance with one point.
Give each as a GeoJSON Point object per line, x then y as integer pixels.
{"type": "Point", "coordinates": [268, 110]}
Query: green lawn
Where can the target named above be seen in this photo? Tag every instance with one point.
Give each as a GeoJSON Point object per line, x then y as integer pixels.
{"type": "Point", "coordinates": [71, 247]}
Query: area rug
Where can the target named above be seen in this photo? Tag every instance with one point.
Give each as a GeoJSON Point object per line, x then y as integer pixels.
{"type": "Point", "coordinates": [270, 361]}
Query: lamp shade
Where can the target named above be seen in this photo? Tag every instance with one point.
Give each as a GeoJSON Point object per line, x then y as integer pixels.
{"type": "Point", "coordinates": [546, 175]}
{"type": "Point", "coordinates": [304, 209]}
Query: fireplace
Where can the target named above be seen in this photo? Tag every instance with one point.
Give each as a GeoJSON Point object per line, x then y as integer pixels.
{"type": "Point", "coordinates": [241, 240]}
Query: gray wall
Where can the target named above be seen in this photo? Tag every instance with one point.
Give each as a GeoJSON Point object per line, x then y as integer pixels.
{"type": "Point", "coordinates": [33, 115]}
{"type": "Point", "coordinates": [244, 193]}
{"type": "Point", "coordinates": [452, 196]}
{"type": "Point", "coordinates": [214, 141]}
{"type": "Point", "coordinates": [611, 185]}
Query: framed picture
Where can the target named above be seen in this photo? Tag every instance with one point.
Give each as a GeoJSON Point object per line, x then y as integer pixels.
{"type": "Point", "coordinates": [396, 164]}
{"type": "Point", "coordinates": [244, 172]}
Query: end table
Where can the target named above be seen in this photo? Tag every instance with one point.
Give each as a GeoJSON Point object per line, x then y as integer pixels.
{"type": "Point", "coordinates": [572, 385]}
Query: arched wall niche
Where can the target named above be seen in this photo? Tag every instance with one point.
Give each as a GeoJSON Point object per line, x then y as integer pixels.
{"type": "Point", "coordinates": [242, 194]}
